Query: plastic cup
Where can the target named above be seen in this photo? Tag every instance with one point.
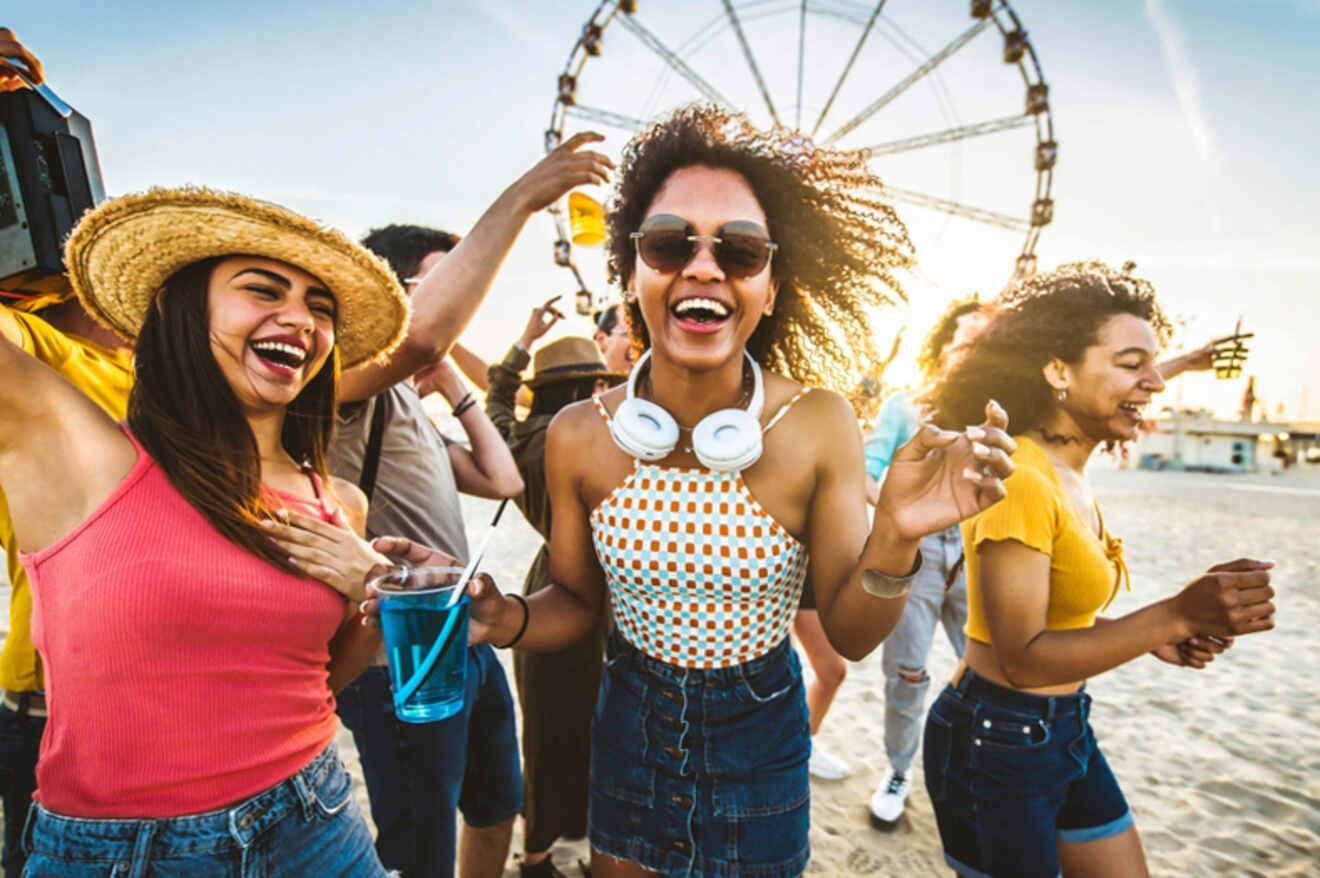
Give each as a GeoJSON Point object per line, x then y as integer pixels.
{"type": "Point", "coordinates": [425, 641]}
{"type": "Point", "coordinates": [586, 219]}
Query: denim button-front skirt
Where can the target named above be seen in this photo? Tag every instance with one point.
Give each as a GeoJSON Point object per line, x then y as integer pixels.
{"type": "Point", "coordinates": [701, 772]}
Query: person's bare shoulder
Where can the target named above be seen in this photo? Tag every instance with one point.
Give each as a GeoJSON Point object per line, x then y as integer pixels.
{"type": "Point", "coordinates": [352, 501]}
{"type": "Point", "coordinates": [825, 409]}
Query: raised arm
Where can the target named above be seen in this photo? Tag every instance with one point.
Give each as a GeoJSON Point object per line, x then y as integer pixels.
{"type": "Point", "coordinates": [488, 469]}
{"type": "Point", "coordinates": [505, 380]}
{"type": "Point", "coordinates": [472, 366]}
{"type": "Point", "coordinates": [15, 59]}
{"type": "Point", "coordinates": [1227, 600]}
{"type": "Point", "coordinates": [478, 370]}
{"type": "Point", "coordinates": [935, 480]}
{"type": "Point", "coordinates": [61, 455]}
{"type": "Point", "coordinates": [837, 537]}
{"type": "Point", "coordinates": [448, 296]}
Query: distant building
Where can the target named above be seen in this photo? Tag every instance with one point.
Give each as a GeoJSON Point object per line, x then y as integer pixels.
{"type": "Point", "coordinates": [1198, 441]}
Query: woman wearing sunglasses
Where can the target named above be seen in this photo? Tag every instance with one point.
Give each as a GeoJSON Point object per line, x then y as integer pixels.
{"type": "Point", "coordinates": [694, 495]}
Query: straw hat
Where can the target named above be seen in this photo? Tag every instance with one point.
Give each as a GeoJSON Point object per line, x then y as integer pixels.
{"type": "Point", "coordinates": [122, 251]}
{"type": "Point", "coordinates": [569, 358]}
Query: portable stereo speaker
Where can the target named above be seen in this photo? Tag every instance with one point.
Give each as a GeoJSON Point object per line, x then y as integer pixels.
{"type": "Point", "coordinates": [49, 175]}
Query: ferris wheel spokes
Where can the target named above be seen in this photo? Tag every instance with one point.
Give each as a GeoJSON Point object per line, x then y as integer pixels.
{"type": "Point", "coordinates": [605, 117]}
{"type": "Point", "coordinates": [751, 62]}
{"type": "Point", "coordinates": [652, 42]}
{"type": "Point", "coordinates": [955, 208]}
{"type": "Point", "coordinates": [847, 68]}
{"type": "Point", "coordinates": [802, 53]}
{"type": "Point", "coordinates": [915, 76]}
{"type": "Point", "coordinates": [948, 135]}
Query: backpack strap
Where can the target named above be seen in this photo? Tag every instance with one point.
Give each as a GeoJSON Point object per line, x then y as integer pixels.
{"type": "Point", "coordinates": [380, 413]}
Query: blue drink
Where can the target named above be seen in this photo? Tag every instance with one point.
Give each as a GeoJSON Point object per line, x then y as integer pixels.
{"type": "Point", "coordinates": [419, 626]}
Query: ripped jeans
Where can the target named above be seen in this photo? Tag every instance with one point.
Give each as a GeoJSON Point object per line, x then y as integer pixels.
{"type": "Point", "coordinates": [907, 647]}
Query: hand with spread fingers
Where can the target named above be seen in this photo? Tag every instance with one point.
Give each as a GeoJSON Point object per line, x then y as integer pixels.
{"type": "Point", "coordinates": [16, 60]}
{"type": "Point", "coordinates": [941, 477]}
{"type": "Point", "coordinates": [334, 555]}
{"type": "Point", "coordinates": [565, 167]}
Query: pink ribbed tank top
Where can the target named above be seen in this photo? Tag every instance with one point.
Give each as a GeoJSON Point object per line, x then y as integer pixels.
{"type": "Point", "coordinates": [183, 673]}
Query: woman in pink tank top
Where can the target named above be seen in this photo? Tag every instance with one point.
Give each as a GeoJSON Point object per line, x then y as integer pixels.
{"type": "Point", "coordinates": [704, 494]}
{"type": "Point", "coordinates": [190, 666]}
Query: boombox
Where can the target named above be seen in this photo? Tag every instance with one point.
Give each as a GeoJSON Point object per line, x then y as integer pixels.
{"type": "Point", "coordinates": [49, 175]}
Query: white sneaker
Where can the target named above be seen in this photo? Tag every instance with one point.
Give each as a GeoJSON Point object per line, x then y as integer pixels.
{"type": "Point", "coordinates": [887, 803]}
{"type": "Point", "coordinates": [824, 765]}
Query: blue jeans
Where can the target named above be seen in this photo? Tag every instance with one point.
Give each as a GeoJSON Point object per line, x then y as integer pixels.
{"type": "Point", "coordinates": [307, 826]}
{"type": "Point", "coordinates": [701, 772]}
{"type": "Point", "coordinates": [932, 601]}
{"type": "Point", "coordinates": [20, 741]}
{"type": "Point", "coordinates": [420, 775]}
{"type": "Point", "coordinates": [1012, 774]}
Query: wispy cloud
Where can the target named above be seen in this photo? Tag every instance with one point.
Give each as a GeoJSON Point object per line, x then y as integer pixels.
{"type": "Point", "coordinates": [514, 21]}
{"type": "Point", "coordinates": [1186, 81]}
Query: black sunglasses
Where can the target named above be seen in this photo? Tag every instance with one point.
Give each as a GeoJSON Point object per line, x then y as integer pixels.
{"type": "Point", "coordinates": [667, 243]}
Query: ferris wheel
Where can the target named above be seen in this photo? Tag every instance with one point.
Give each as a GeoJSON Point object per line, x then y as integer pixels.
{"type": "Point", "coordinates": [945, 97]}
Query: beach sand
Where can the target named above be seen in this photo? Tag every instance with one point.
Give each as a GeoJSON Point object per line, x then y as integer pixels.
{"type": "Point", "coordinates": [1221, 766]}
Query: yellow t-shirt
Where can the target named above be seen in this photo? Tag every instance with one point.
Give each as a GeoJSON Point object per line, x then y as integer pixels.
{"type": "Point", "coordinates": [1085, 571]}
{"type": "Point", "coordinates": [106, 377]}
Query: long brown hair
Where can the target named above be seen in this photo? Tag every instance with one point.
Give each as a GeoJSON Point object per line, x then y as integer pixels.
{"type": "Point", "coordinates": [187, 417]}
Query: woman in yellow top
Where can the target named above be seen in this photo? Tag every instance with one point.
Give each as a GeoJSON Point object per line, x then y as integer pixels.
{"type": "Point", "coordinates": [1019, 785]}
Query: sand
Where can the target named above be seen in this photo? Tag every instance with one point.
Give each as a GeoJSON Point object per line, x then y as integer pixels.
{"type": "Point", "coordinates": [1221, 766]}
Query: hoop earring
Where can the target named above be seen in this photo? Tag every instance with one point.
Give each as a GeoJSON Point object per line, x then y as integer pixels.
{"type": "Point", "coordinates": [1063, 394]}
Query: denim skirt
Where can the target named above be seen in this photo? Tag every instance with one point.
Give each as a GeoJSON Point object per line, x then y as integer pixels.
{"type": "Point", "coordinates": [1012, 774]}
{"type": "Point", "coordinates": [307, 826]}
{"type": "Point", "coordinates": [700, 772]}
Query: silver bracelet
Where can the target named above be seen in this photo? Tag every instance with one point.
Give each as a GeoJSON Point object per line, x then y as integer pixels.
{"type": "Point", "coordinates": [882, 585]}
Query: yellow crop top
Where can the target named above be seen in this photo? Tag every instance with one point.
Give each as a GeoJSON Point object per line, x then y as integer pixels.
{"type": "Point", "coordinates": [1085, 572]}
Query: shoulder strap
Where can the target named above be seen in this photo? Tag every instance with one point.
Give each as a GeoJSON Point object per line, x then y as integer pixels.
{"type": "Point", "coordinates": [380, 413]}
{"type": "Point", "coordinates": [600, 407]}
{"type": "Point", "coordinates": [783, 410]}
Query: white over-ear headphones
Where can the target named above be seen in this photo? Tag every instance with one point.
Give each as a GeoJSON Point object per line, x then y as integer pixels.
{"type": "Point", "coordinates": [725, 441]}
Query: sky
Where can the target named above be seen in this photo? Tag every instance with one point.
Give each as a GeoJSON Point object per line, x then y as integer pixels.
{"type": "Point", "coordinates": [1186, 133]}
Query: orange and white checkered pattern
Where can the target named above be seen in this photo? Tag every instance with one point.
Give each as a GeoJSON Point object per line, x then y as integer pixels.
{"type": "Point", "coordinates": [700, 575]}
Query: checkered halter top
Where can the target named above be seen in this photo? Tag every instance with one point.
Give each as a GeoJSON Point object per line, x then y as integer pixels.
{"type": "Point", "coordinates": [700, 575]}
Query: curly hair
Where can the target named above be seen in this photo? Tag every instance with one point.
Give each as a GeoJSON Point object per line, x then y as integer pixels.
{"type": "Point", "coordinates": [932, 347]}
{"type": "Point", "coordinates": [1055, 315]}
{"type": "Point", "coordinates": [840, 245]}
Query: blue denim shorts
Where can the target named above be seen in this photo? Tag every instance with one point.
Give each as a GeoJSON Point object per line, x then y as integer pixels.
{"type": "Point", "coordinates": [1012, 774]}
{"type": "Point", "coordinates": [701, 772]}
{"type": "Point", "coordinates": [307, 825]}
